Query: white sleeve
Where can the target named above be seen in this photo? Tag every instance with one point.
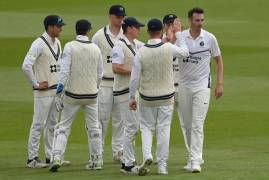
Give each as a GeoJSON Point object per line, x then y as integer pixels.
{"type": "Point", "coordinates": [65, 64]}
{"type": "Point", "coordinates": [180, 49]}
{"type": "Point", "coordinates": [215, 50]}
{"type": "Point", "coordinates": [29, 60]}
{"type": "Point", "coordinates": [117, 54]}
{"type": "Point", "coordinates": [100, 68]}
{"type": "Point", "coordinates": [135, 76]}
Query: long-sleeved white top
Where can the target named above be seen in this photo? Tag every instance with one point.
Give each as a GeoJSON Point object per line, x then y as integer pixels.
{"type": "Point", "coordinates": [66, 62]}
{"type": "Point", "coordinates": [33, 54]}
{"type": "Point", "coordinates": [179, 50]}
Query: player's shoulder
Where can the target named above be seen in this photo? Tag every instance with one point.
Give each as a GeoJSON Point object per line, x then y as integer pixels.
{"type": "Point", "coordinates": [95, 47]}
{"type": "Point", "coordinates": [139, 43]}
{"type": "Point", "coordinates": [37, 42]}
{"type": "Point", "coordinates": [208, 34]}
{"type": "Point", "coordinates": [98, 35]}
{"type": "Point", "coordinates": [185, 33]}
{"type": "Point", "coordinates": [99, 32]}
{"type": "Point", "coordinates": [69, 43]}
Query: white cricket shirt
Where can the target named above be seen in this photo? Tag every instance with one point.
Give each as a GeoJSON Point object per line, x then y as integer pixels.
{"type": "Point", "coordinates": [194, 71]}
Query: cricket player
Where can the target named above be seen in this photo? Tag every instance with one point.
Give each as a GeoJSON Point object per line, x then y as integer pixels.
{"type": "Point", "coordinates": [41, 66]}
{"type": "Point", "coordinates": [152, 74]}
{"type": "Point", "coordinates": [105, 39]}
{"type": "Point", "coordinates": [168, 22]}
{"type": "Point", "coordinates": [82, 70]}
{"type": "Point", "coordinates": [122, 60]}
{"type": "Point", "coordinates": [195, 84]}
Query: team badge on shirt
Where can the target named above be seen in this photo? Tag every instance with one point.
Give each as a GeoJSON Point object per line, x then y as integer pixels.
{"type": "Point", "coordinates": [202, 43]}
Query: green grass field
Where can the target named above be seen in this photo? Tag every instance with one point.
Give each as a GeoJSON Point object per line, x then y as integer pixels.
{"type": "Point", "coordinates": [237, 126]}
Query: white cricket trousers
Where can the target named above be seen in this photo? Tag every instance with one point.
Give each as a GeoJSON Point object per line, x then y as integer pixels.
{"type": "Point", "coordinates": [63, 129]}
{"type": "Point", "coordinates": [131, 126]}
{"type": "Point", "coordinates": [45, 117]}
{"type": "Point", "coordinates": [156, 120]}
{"type": "Point", "coordinates": [108, 105]}
{"type": "Point", "coordinates": [193, 107]}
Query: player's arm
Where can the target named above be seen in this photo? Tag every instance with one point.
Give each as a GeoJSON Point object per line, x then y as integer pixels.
{"type": "Point", "coordinates": [219, 83]}
{"type": "Point", "coordinates": [64, 74]}
{"type": "Point", "coordinates": [170, 35]}
{"type": "Point", "coordinates": [215, 52]}
{"type": "Point", "coordinates": [100, 70]}
{"type": "Point", "coordinates": [118, 61]}
{"type": "Point", "coordinates": [135, 76]}
{"type": "Point", "coordinates": [28, 63]}
{"type": "Point", "coordinates": [65, 68]}
{"type": "Point", "coordinates": [180, 49]}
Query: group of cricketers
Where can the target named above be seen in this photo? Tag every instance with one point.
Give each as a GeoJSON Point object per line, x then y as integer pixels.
{"type": "Point", "coordinates": [136, 84]}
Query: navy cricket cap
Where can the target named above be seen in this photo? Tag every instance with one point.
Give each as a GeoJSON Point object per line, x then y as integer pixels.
{"type": "Point", "coordinates": [155, 25]}
{"type": "Point", "coordinates": [169, 18]}
{"type": "Point", "coordinates": [83, 26]}
{"type": "Point", "coordinates": [117, 10]}
{"type": "Point", "coordinates": [53, 20]}
{"type": "Point", "coordinates": [131, 21]}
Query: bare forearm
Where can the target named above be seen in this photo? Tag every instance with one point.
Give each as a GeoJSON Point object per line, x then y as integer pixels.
{"type": "Point", "coordinates": [219, 84]}
{"type": "Point", "coordinates": [119, 69]}
{"type": "Point", "coordinates": [219, 63]}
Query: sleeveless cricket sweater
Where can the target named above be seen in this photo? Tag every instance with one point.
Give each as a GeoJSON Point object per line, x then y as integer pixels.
{"type": "Point", "coordinates": [156, 86]}
{"type": "Point", "coordinates": [81, 87]}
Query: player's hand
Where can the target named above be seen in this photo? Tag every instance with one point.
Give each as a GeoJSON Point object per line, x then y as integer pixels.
{"type": "Point", "coordinates": [43, 85]}
{"type": "Point", "coordinates": [59, 103]}
{"type": "Point", "coordinates": [177, 25]}
{"type": "Point", "coordinates": [170, 34]}
{"type": "Point", "coordinates": [218, 91]}
{"type": "Point", "coordinates": [133, 104]}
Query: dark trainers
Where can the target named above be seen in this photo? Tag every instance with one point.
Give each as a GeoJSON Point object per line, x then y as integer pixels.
{"type": "Point", "coordinates": [36, 163]}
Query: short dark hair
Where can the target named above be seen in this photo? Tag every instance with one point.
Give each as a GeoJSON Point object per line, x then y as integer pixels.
{"type": "Point", "coordinates": [124, 28]}
{"type": "Point", "coordinates": [83, 26]}
{"type": "Point", "coordinates": [195, 10]}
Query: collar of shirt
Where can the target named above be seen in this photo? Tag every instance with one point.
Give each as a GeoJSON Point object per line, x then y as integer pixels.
{"type": "Point", "coordinates": [119, 35]}
{"type": "Point", "coordinates": [128, 42]}
{"type": "Point", "coordinates": [201, 35]}
{"type": "Point", "coordinates": [49, 39]}
{"type": "Point", "coordinates": [154, 41]}
{"type": "Point", "coordinates": [82, 38]}
{"type": "Point", "coordinates": [133, 45]}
